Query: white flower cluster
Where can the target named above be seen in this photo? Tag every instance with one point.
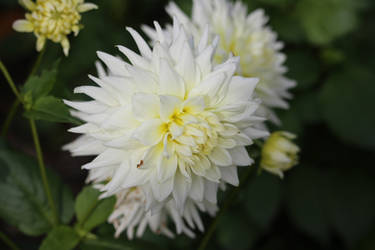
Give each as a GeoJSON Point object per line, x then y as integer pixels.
{"type": "Point", "coordinates": [170, 127]}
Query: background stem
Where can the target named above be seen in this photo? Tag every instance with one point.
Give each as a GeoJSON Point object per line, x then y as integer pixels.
{"type": "Point", "coordinates": [42, 168]}
{"type": "Point", "coordinates": [248, 175]}
{"type": "Point", "coordinates": [10, 81]}
{"type": "Point", "coordinates": [37, 62]}
{"type": "Point", "coordinates": [9, 118]}
{"type": "Point", "coordinates": [8, 241]}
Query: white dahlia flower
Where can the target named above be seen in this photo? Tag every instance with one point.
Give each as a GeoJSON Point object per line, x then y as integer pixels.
{"type": "Point", "coordinates": [170, 123]}
{"type": "Point", "coordinates": [244, 35]}
{"type": "Point", "coordinates": [130, 215]}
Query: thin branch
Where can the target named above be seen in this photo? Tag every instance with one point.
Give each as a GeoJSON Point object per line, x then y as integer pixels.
{"type": "Point", "coordinates": [10, 81]}
{"type": "Point", "coordinates": [8, 241]}
{"type": "Point", "coordinates": [9, 118]}
{"type": "Point", "coordinates": [37, 62]}
{"type": "Point", "coordinates": [42, 168]}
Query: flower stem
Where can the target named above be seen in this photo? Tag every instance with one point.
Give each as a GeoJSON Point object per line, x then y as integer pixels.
{"type": "Point", "coordinates": [10, 81]}
{"type": "Point", "coordinates": [42, 168]}
{"type": "Point", "coordinates": [8, 241]}
{"type": "Point", "coordinates": [37, 62]}
{"type": "Point", "coordinates": [248, 175]}
{"type": "Point", "coordinates": [9, 118]}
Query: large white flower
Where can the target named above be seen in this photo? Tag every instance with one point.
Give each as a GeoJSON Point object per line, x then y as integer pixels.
{"type": "Point", "coordinates": [244, 35]}
{"type": "Point", "coordinates": [130, 215]}
{"type": "Point", "coordinates": [170, 122]}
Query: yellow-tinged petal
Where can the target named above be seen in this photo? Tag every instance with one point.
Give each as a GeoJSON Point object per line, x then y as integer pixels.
{"type": "Point", "coordinates": [66, 46]}
{"type": "Point", "coordinates": [23, 26]}
{"type": "Point", "coordinates": [28, 4]}
{"type": "Point", "coordinates": [41, 41]}
{"type": "Point", "coordinates": [87, 7]}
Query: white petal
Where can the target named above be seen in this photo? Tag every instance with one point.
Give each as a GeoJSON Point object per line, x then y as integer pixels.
{"type": "Point", "coordinates": [168, 106]}
{"type": "Point", "coordinates": [180, 190]}
{"type": "Point", "coordinates": [170, 82]}
{"type": "Point", "coordinates": [30, 5]}
{"type": "Point", "coordinates": [167, 168]}
{"type": "Point", "coordinates": [114, 64]}
{"type": "Point", "coordinates": [150, 132]}
{"type": "Point", "coordinates": [240, 89]}
{"type": "Point", "coordinates": [195, 104]}
{"type": "Point", "coordinates": [143, 47]}
{"type": "Point", "coordinates": [213, 174]}
{"type": "Point", "coordinates": [135, 59]}
{"type": "Point", "coordinates": [220, 157]}
{"type": "Point", "coordinates": [135, 177]}
{"type": "Point", "coordinates": [23, 26]}
{"type": "Point", "coordinates": [186, 67]}
{"type": "Point", "coordinates": [197, 186]}
{"type": "Point", "coordinates": [40, 43]}
{"type": "Point", "coordinates": [162, 190]}
{"type": "Point", "coordinates": [240, 156]}
{"type": "Point", "coordinates": [229, 175]}
{"type": "Point", "coordinates": [86, 7]}
{"type": "Point", "coordinates": [210, 191]}
{"type": "Point", "coordinates": [91, 107]}
{"type": "Point", "coordinates": [96, 93]}
{"type": "Point", "coordinates": [145, 106]}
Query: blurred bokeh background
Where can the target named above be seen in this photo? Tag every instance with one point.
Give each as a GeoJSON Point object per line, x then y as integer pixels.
{"type": "Point", "coordinates": [326, 202]}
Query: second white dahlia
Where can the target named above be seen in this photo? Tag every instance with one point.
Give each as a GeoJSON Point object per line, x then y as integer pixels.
{"type": "Point", "coordinates": [246, 36]}
{"type": "Point", "coordinates": [170, 122]}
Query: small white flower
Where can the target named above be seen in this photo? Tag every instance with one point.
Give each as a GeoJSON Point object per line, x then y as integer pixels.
{"type": "Point", "coordinates": [244, 35]}
{"type": "Point", "coordinates": [53, 20]}
{"type": "Point", "coordinates": [170, 122]}
{"type": "Point", "coordinates": [279, 153]}
{"type": "Point", "coordinates": [130, 215]}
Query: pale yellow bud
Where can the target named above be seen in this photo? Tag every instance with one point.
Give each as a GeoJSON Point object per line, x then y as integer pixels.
{"type": "Point", "coordinates": [279, 153]}
{"type": "Point", "coordinates": [53, 20]}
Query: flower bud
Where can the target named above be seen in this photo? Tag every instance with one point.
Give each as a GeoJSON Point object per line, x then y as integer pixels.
{"type": "Point", "coordinates": [279, 153]}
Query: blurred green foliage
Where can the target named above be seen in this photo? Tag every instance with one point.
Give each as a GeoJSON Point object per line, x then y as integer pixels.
{"type": "Point", "coordinates": [326, 202]}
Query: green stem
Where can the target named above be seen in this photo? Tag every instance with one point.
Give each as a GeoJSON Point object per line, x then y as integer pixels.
{"type": "Point", "coordinates": [8, 241]}
{"type": "Point", "coordinates": [248, 175]}
{"type": "Point", "coordinates": [42, 168]}
{"type": "Point", "coordinates": [15, 104]}
{"type": "Point", "coordinates": [10, 81]}
{"type": "Point", "coordinates": [37, 62]}
{"type": "Point", "coordinates": [9, 118]}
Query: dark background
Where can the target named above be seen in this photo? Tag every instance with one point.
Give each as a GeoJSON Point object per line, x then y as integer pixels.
{"type": "Point", "coordinates": [326, 202]}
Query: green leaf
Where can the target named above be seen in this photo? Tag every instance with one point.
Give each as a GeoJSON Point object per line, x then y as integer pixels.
{"type": "Point", "coordinates": [23, 200]}
{"type": "Point", "coordinates": [92, 211]}
{"type": "Point", "coordinates": [61, 238]}
{"type": "Point", "coordinates": [263, 199]}
{"type": "Point", "coordinates": [51, 109]}
{"type": "Point", "coordinates": [347, 103]}
{"type": "Point", "coordinates": [42, 85]}
{"type": "Point", "coordinates": [327, 20]}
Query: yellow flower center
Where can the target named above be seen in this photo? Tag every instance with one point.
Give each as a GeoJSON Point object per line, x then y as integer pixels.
{"type": "Point", "coordinates": [192, 136]}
